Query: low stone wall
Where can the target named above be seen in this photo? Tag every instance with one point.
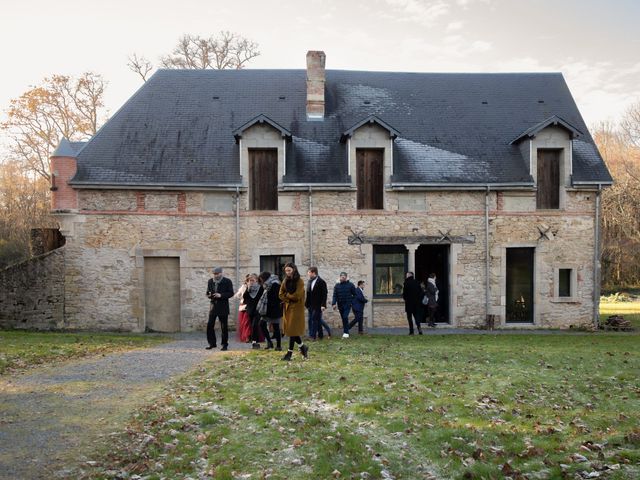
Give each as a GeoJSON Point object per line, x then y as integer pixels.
{"type": "Point", "coordinates": [32, 293]}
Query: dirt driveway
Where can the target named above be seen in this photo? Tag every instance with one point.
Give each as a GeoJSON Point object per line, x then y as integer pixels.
{"type": "Point", "coordinates": [51, 417]}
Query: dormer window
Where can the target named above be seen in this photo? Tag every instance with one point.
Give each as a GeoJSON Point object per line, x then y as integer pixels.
{"type": "Point", "coordinates": [262, 146]}
{"type": "Point", "coordinates": [548, 148]}
{"type": "Point", "coordinates": [370, 154]}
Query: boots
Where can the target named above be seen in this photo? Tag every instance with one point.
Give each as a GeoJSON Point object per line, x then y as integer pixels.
{"type": "Point", "coordinates": [304, 350]}
{"type": "Point", "coordinates": [287, 356]}
{"type": "Point", "coordinates": [269, 345]}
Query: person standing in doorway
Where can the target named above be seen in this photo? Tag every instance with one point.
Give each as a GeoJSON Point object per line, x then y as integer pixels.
{"type": "Point", "coordinates": [432, 295]}
{"type": "Point", "coordinates": [316, 302]}
{"type": "Point", "coordinates": [412, 295]}
{"type": "Point", "coordinates": [358, 308]}
{"type": "Point", "coordinates": [292, 296]}
{"type": "Point", "coordinates": [343, 294]}
{"type": "Point", "coordinates": [219, 291]}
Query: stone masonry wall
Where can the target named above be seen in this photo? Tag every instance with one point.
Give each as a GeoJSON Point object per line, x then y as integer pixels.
{"type": "Point", "coordinates": [32, 293]}
{"type": "Point", "coordinates": [106, 251]}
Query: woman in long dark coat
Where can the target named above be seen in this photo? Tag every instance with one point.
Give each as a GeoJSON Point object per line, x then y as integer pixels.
{"type": "Point", "coordinates": [293, 314]}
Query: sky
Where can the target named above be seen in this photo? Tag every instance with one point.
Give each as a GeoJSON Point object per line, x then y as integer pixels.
{"type": "Point", "coordinates": [595, 44]}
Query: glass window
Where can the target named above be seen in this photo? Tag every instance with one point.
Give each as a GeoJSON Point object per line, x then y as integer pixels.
{"type": "Point", "coordinates": [564, 282]}
{"type": "Point", "coordinates": [390, 265]}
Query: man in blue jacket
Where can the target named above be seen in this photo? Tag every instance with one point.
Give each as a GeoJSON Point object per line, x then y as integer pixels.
{"type": "Point", "coordinates": [358, 308]}
{"type": "Point", "coordinates": [343, 294]}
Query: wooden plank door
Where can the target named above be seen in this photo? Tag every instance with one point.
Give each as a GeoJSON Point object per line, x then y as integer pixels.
{"type": "Point", "coordinates": [548, 195]}
{"type": "Point", "coordinates": [263, 179]}
{"type": "Point", "coordinates": [162, 293]}
{"type": "Point", "coordinates": [369, 178]}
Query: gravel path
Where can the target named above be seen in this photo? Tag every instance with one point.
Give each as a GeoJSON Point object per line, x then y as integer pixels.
{"type": "Point", "coordinates": [50, 417]}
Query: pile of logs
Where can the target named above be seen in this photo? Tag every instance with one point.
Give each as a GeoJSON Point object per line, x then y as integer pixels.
{"type": "Point", "coordinates": [617, 322]}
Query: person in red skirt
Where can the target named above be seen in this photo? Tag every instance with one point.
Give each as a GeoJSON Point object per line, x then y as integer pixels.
{"type": "Point", "coordinates": [243, 332]}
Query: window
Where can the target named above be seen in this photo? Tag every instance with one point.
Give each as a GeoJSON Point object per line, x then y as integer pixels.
{"type": "Point", "coordinates": [369, 178]}
{"type": "Point", "coordinates": [548, 195]}
{"type": "Point", "coordinates": [275, 263]}
{"type": "Point", "coordinates": [263, 179]}
{"type": "Point", "coordinates": [564, 282]}
{"type": "Point", "coordinates": [389, 267]}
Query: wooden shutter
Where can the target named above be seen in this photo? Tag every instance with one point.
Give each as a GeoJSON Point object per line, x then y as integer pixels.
{"type": "Point", "coordinates": [369, 178]}
{"type": "Point", "coordinates": [548, 195]}
{"type": "Point", "coordinates": [263, 179]}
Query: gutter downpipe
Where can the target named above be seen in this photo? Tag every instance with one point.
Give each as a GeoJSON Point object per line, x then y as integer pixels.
{"type": "Point", "coordinates": [486, 249]}
{"type": "Point", "coordinates": [237, 245]}
{"type": "Point", "coordinates": [311, 264]}
{"type": "Point", "coordinates": [596, 263]}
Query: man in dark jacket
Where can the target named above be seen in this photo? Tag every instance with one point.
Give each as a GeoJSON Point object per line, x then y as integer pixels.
{"type": "Point", "coordinates": [412, 295]}
{"type": "Point", "coordinates": [343, 294]}
{"type": "Point", "coordinates": [219, 290]}
{"type": "Point", "coordinates": [358, 308]}
{"type": "Point", "coordinates": [316, 301]}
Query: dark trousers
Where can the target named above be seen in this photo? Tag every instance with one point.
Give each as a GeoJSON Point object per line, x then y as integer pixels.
{"type": "Point", "coordinates": [432, 310]}
{"type": "Point", "coordinates": [410, 319]}
{"type": "Point", "coordinates": [359, 320]}
{"type": "Point", "coordinates": [317, 323]}
{"type": "Point", "coordinates": [344, 314]}
{"type": "Point", "coordinates": [211, 331]}
{"type": "Point", "coordinates": [258, 324]}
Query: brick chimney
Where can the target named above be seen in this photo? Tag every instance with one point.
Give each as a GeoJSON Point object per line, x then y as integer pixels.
{"type": "Point", "coordinates": [315, 85]}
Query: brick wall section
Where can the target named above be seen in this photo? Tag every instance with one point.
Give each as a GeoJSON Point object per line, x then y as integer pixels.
{"type": "Point", "coordinates": [63, 196]}
{"type": "Point", "coordinates": [32, 293]}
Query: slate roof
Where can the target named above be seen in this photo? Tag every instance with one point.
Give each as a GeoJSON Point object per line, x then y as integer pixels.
{"type": "Point", "coordinates": [178, 129]}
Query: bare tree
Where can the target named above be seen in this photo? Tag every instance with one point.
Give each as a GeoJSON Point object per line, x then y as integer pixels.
{"type": "Point", "coordinates": [61, 107]}
{"type": "Point", "coordinates": [226, 50]}
{"type": "Point", "coordinates": [140, 65]}
{"type": "Point", "coordinates": [620, 205]}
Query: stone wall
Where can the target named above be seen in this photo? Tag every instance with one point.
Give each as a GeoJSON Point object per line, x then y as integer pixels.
{"type": "Point", "coordinates": [106, 250]}
{"type": "Point", "coordinates": [32, 293]}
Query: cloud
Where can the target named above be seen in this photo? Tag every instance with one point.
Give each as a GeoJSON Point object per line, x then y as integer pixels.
{"type": "Point", "coordinates": [454, 26]}
{"type": "Point", "coordinates": [425, 12]}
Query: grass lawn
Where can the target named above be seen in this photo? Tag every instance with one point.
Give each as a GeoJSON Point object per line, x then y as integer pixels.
{"type": "Point", "coordinates": [455, 406]}
{"type": "Point", "coordinates": [22, 349]}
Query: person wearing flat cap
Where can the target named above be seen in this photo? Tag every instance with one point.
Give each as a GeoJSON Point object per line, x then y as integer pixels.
{"type": "Point", "coordinates": [219, 291]}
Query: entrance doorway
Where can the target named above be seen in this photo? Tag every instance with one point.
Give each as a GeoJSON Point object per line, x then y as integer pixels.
{"type": "Point", "coordinates": [162, 294]}
{"type": "Point", "coordinates": [519, 285]}
{"type": "Point", "coordinates": [435, 259]}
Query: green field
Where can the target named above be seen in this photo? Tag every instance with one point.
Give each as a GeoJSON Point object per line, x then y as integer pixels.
{"type": "Point", "coordinates": [436, 406]}
{"type": "Point", "coordinates": [22, 349]}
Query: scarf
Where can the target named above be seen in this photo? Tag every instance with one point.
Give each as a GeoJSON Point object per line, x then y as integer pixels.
{"type": "Point", "coordinates": [262, 303]}
{"type": "Point", "coordinates": [253, 290]}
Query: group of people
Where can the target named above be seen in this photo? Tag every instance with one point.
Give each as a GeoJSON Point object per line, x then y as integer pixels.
{"type": "Point", "coordinates": [266, 303]}
{"type": "Point", "coordinates": [420, 301]}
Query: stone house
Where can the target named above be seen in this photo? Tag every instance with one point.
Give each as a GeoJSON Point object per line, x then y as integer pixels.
{"type": "Point", "coordinates": [492, 181]}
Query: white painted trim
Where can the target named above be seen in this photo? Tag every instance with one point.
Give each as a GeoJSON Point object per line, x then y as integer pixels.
{"type": "Point", "coordinates": [531, 161]}
{"type": "Point", "coordinates": [570, 161]}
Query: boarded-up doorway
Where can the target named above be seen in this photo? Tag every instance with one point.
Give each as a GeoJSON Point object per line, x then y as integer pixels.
{"type": "Point", "coordinates": [162, 294]}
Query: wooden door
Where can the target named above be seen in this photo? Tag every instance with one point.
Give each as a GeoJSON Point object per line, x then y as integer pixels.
{"type": "Point", "coordinates": [162, 293]}
{"type": "Point", "coordinates": [263, 179]}
{"type": "Point", "coordinates": [548, 195]}
{"type": "Point", "coordinates": [369, 178]}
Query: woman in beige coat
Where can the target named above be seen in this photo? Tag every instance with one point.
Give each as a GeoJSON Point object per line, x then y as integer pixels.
{"type": "Point", "coordinates": [293, 312]}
